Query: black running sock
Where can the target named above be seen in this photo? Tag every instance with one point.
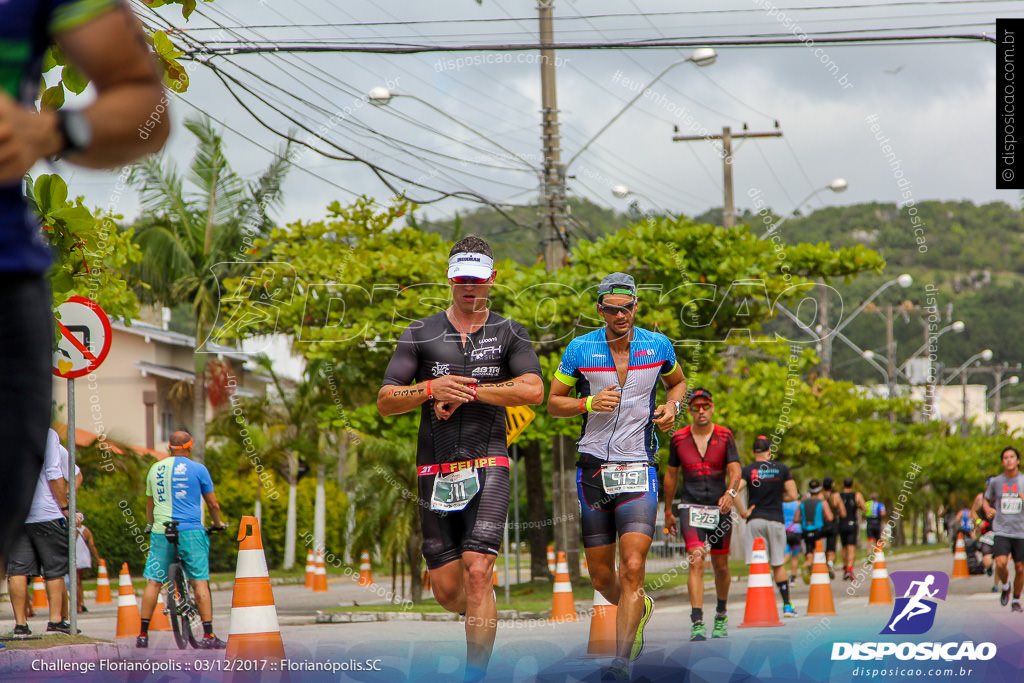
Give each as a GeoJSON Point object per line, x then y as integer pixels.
{"type": "Point", "coordinates": [696, 614]}
{"type": "Point", "coordinates": [720, 608]}
{"type": "Point", "coordinates": [144, 631]}
{"type": "Point", "coordinates": [208, 629]}
{"type": "Point", "coordinates": [784, 591]}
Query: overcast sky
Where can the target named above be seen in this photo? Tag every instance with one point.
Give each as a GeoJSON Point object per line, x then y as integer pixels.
{"type": "Point", "coordinates": [934, 103]}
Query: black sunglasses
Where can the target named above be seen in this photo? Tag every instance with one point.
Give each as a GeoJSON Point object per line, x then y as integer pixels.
{"type": "Point", "coordinates": [615, 310]}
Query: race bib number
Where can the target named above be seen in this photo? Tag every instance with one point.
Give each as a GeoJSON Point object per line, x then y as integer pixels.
{"type": "Point", "coordinates": [1010, 505]}
{"type": "Point", "coordinates": [704, 516]}
{"type": "Point", "coordinates": [626, 478]}
{"type": "Point", "coordinates": [452, 492]}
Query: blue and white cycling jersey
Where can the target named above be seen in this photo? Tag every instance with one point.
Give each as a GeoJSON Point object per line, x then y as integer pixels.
{"type": "Point", "coordinates": [627, 433]}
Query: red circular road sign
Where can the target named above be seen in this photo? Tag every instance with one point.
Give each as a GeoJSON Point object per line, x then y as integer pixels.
{"type": "Point", "coordinates": [84, 338]}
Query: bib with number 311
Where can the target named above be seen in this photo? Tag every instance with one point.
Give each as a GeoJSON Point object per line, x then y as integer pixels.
{"type": "Point", "coordinates": [452, 492]}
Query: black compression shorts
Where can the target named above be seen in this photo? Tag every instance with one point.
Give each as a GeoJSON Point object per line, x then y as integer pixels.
{"type": "Point", "coordinates": [848, 533]}
{"type": "Point", "coordinates": [478, 528]}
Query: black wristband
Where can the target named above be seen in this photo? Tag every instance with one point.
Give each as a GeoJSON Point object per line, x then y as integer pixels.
{"type": "Point", "coordinates": [66, 507]}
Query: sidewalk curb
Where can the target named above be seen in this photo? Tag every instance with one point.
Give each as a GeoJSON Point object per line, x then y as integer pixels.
{"type": "Point", "coordinates": [322, 617]}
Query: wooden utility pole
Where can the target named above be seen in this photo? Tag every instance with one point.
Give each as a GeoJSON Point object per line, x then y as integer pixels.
{"type": "Point", "coordinates": [554, 219]}
{"type": "Point", "coordinates": [727, 136]}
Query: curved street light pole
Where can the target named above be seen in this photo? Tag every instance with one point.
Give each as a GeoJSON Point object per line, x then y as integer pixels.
{"type": "Point", "coordinates": [986, 356]}
{"type": "Point", "coordinates": [838, 185]}
{"type": "Point", "coordinates": [702, 56]}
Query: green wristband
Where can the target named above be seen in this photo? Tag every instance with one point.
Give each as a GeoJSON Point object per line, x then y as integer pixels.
{"type": "Point", "coordinates": [590, 407]}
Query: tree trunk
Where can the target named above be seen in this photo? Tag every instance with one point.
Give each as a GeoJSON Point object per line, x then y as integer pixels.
{"type": "Point", "coordinates": [394, 575]}
{"type": "Point", "coordinates": [199, 403]}
{"type": "Point", "coordinates": [536, 514]}
{"type": "Point", "coordinates": [415, 559]}
{"type": "Point", "coordinates": [289, 530]}
{"type": "Point", "coordinates": [320, 509]}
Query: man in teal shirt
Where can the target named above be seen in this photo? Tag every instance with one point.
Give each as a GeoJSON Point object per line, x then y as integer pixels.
{"type": "Point", "coordinates": [175, 489]}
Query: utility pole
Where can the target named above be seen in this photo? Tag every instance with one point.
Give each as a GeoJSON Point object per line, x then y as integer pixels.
{"type": "Point", "coordinates": [553, 221]}
{"type": "Point", "coordinates": [727, 136]}
{"type": "Point", "coordinates": [553, 212]}
{"type": "Point", "coordinates": [826, 334]}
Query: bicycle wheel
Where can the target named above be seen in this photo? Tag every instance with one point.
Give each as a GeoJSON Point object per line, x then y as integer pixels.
{"type": "Point", "coordinates": [181, 607]}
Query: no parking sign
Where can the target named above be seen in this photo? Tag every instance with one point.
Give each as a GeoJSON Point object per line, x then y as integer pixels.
{"type": "Point", "coordinates": [84, 338]}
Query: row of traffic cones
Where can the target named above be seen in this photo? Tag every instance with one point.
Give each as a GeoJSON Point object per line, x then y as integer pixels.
{"type": "Point", "coordinates": [103, 597]}
{"type": "Point", "coordinates": [316, 573]}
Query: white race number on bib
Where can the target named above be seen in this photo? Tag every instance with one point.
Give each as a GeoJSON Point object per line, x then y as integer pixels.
{"type": "Point", "coordinates": [452, 492]}
{"type": "Point", "coordinates": [625, 478]}
{"type": "Point", "coordinates": [1010, 505]}
{"type": "Point", "coordinates": [704, 516]}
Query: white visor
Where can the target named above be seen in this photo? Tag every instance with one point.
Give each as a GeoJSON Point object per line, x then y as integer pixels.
{"type": "Point", "coordinates": [467, 264]}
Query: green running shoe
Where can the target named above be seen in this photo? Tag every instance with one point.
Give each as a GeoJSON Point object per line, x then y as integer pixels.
{"type": "Point", "coordinates": [618, 672]}
{"type": "Point", "coordinates": [720, 631]}
{"type": "Point", "coordinates": [698, 631]}
{"type": "Point", "coordinates": [638, 641]}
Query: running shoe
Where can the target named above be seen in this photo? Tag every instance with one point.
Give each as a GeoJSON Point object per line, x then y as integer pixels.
{"type": "Point", "coordinates": [788, 611]}
{"type": "Point", "coordinates": [60, 627]}
{"type": "Point", "coordinates": [805, 572]}
{"type": "Point", "coordinates": [1004, 596]}
{"type": "Point", "coordinates": [720, 630]}
{"type": "Point", "coordinates": [831, 571]}
{"type": "Point", "coordinates": [638, 641]}
{"type": "Point", "coordinates": [212, 643]}
{"type": "Point", "coordinates": [616, 673]}
{"type": "Point", "coordinates": [142, 642]}
{"type": "Point", "coordinates": [698, 631]}
{"type": "Point", "coordinates": [20, 630]}
{"type": "Point", "coordinates": [1016, 607]}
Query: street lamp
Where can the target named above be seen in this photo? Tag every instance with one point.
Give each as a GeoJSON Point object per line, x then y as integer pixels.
{"type": "Point", "coordinates": [622, 192]}
{"type": "Point", "coordinates": [1012, 381]}
{"type": "Point", "coordinates": [838, 185]}
{"type": "Point", "coordinates": [986, 356]}
{"type": "Point", "coordinates": [382, 96]}
{"type": "Point", "coordinates": [702, 56]}
{"type": "Point", "coordinates": [903, 281]}
{"type": "Point", "coordinates": [869, 356]}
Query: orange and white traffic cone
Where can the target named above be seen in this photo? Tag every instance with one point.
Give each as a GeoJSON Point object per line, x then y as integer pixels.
{"type": "Point", "coordinates": [761, 609]}
{"type": "Point", "coordinates": [39, 600]}
{"type": "Point", "coordinates": [602, 627]}
{"type": "Point", "coordinates": [310, 568]}
{"type": "Point", "coordinates": [159, 621]}
{"type": "Point", "coordinates": [320, 574]}
{"type": "Point", "coordinates": [820, 601]}
{"type": "Point", "coordinates": [425, 583]}
{"type": "Point", "coordinates": [551, 559]}
{"type": "Point", "coordinates": [562, 606]}
{"type": "Point", "coordinates": [129, 622]}
{"type": "Point", "coordinates": [496, 578]}
{"type": "Point", "coordinates": [254, 633]}
{"type": "Point", "coordinates": [365, 573]}
{"type": "Point", "coordinates": [880, 592]}
{"type": "Point", "coordinates": [960, 570]}
{"type": "Point", "coordinates": [103, 596]}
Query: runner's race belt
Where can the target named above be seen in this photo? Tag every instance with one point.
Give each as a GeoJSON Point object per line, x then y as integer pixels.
{"type": "Point", "coordinates": [449, 467]}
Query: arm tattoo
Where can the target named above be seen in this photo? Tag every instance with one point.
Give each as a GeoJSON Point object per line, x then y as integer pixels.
{"type": "Point", "coordinates": [406, 392]}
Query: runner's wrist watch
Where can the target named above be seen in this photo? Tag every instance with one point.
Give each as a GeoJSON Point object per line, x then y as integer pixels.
{"type": "Point", "coordinates": [676, 404]}
{"type": "Point", "coordinates": [732, 492]}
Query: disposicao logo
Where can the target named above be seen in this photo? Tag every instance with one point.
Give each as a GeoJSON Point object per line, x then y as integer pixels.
{"type": "Point", "coordinates": [914, 614]}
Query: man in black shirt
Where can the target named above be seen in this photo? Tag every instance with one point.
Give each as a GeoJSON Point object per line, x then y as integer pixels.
{"type": "Point", "coordinates": [462, 367]}
{"type": "Point", "coordinates": [848, 530]}
{"type": "Point", "coordinates": [769, 484]}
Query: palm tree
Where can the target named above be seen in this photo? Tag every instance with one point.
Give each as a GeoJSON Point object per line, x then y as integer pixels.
{"type": "Point", "coordinates": [291, 425]}
{"type": "Point", "coordinates": [197, 230]}
{"type": "Point", "coordinates": [384, 514]}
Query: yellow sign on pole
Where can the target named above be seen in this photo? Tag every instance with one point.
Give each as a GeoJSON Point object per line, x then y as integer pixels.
{"type": "Point", "coordinates": [516, 421]}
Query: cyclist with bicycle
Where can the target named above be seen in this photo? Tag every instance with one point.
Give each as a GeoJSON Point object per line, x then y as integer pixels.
{"type": "Point", "coordinates": [175, 489]}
